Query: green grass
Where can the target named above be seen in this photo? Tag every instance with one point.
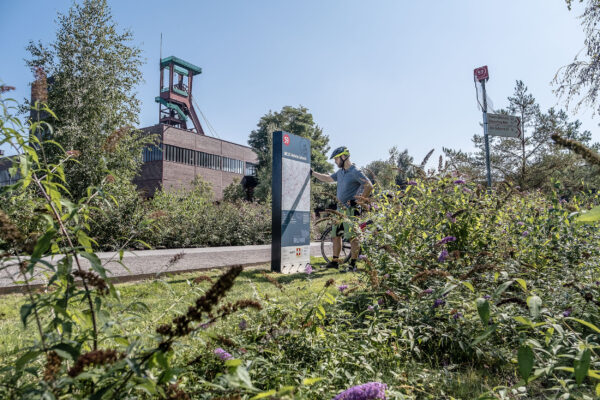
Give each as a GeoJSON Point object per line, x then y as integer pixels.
{"type": "Point", "coordinates": [169, 296]}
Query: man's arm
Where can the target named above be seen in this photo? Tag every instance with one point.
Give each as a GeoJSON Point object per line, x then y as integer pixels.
{"type": "Point", "coordinates": [322, 177]}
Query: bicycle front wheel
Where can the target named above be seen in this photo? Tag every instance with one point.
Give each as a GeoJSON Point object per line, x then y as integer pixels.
{"type": "Point", "coordinates": [327, 247]}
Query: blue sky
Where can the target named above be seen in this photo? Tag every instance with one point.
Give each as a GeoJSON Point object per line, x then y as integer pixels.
{"type": "Point", "coordinates": [374, 74]}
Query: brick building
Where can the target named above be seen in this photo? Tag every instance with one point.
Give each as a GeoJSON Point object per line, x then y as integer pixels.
{"type": "Point", "coordinates": [182, 155]}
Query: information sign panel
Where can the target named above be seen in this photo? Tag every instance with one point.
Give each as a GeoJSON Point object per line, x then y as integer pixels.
{"type": "Point", "coordinates": [290, 248]}
{"type": "Point", "coordinates": [504, 125]}
{"type": "Point", "coordinates": [481, 73]}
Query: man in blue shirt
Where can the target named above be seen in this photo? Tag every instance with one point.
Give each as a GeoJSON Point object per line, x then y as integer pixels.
{"type": "Point", "coordinates": [349, 180]}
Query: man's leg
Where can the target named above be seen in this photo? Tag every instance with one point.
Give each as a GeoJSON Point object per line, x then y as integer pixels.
{"type": "Point", "coordinates": [337, 247]}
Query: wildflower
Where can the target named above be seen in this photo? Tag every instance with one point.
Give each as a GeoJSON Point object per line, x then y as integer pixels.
{"type": "Point", "coordinates": [459, 181]}
{"type": "Point", "coordinates": [93, 280]}
{"type": "Point", "coordinates": [438, 302]}
{"type": "Point", "coordinates": [4, 88]}
{"type": "Point", "coordinates": [329, 282]}
{"type": "Point", "coordinates": [457, 315]}
{"type": "Point", "coordinates": [362, 257]}
{"type": "Point", "coordinates": [428, 291]}
{"type": "Point", "coordinates": [443, 255]}
{"type": "Point", "coordinates": [566, 313]}
{"type": "Point", "coordinates": [450, 217]}
{"type": "Point", "coordinates": [367, 391]}
{"type": "Point", "coordinates": [487, 297]}
{"type": "Point", "coordinates": [110, 179]}
{"type": "Point", "coordinates": [341, 288]}
{"type": "Point", "coordinates": [380, 301]}
{"type": "Point", "coordinates": [597, 283]}
{"type": "Point", "coordinates": [243, 324]}
{"type": "Point", "coordinates": [370, 308]}
{"type": "Point", "coordinates": [447, 239]}
{"type": "Point", "coordinates": [467, 190]}
{"type": "Point", "coordinates": [412, 183]}
{"type": "Point", "coordinates": [222, 354]}
{"type": "Point", "coordinates": [53, 362]}
{"type": "Point", "coordinates": [386, 276]}
{"type": "Point", "coordinates": [309, 269]}
{"type": "Point", "coordinates": [525, 233]}
{"type": "Point", "coordinates": [520, 223]}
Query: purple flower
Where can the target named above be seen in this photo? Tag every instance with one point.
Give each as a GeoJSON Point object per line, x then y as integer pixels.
{"type": "Point", "coordinates": [243, 324]}
{"type": "Point", "coordinates": [412, 183]}
{"type": "Point", "coordinates": [362, 257]}
{"type": "Point", "coordinates": [222, 354]}
{"type": "Point", "coordinates": [566, 313]}
{"type": "Point", "coordinates": [428, 291]}
{"type": "Point", "coordinates": [443, 255]}
{"type": "Point", "coordinates": [525, 233]}
{"type": "Point", "coordinates": [467, 190]}
{"type": "Point", "coordinates": [438, 302]}
{"type": "Point", "coordinates": [450, 217]}
{"type": "Point", "coordinates": [341, 288]}
{"type": "Point", "coordinates": [487, 297]}
{"type": "Point", "coordinates": [457, 315]}
{"type": "Point", "coordinates": [597, 283]}
{"type": "Point", "coordinates": [308, 269]}
{"type": "Point", "coordinates": [380, 301]}
{"type": "Point", "coordinates": [459, 181]}
{"type": "Point", "coordinates": [367, 391]}
{"type": "Point", "coordinates": [370, 308]}
{"type": "Point", "coordinates": [446, 240]}
{"type": "Point", "coordinates": [520, 223]}
{"type": "Point", "coordinates": [386, 276]}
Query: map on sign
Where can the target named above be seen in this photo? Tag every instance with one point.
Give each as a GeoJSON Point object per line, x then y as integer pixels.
{"type": "Point", "coordinates": [504, 125]}
{"type": "Point", "coordinates": [290, 251]}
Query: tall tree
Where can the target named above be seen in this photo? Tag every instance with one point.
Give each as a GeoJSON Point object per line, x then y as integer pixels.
{"type": "Point", "coordinates": [532, 160]}
{"type": "Point", "coordinates": [93, 71]}
{"type": "Point", "coordinates": [295, 120]}
{"type": "Point", "coordinates": [577, 83]}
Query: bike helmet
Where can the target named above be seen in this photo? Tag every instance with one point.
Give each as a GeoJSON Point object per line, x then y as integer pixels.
{"type": "Point", "coordinates": [340, 151]}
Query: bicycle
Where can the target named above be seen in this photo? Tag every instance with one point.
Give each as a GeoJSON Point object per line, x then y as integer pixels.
{"type": "Point", "coordinates": [326, 241]}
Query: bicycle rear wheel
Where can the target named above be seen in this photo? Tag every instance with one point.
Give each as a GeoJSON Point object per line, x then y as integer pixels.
{"type": "Point", "coordinates": [327, 247]}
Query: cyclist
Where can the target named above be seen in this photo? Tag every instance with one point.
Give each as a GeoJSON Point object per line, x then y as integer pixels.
{"type": "Point", "coordinates": [349, 180]}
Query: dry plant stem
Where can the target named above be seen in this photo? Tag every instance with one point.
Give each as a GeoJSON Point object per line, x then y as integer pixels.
{"type": "Point", "coordinates": [66, 235]}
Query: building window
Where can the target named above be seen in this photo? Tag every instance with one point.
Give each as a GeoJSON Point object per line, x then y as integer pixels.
{"type": "Point", "coordinates": [152, 153]}
{"type": "Point", "coordinates": [250, 169]}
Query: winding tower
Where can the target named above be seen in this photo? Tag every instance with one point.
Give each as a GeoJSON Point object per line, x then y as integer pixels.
{"type": "Point", "coordinates": [175, 101]}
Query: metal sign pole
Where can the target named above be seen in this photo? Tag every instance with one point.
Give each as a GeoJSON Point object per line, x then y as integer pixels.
{"type": "Point", "coordinates": [485, 135]}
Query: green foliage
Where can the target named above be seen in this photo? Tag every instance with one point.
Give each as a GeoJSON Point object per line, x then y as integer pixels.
{"type": "Point", "coordinates": [532, 161]}
{"type": "Point", "coordinates": [234, 192]}
{"type": "Point", "coordinates": [94, 71]}
{"type": "Point", "coordinates": [295, 120]}
{"type": "Point", "coordinates": [189, 218]}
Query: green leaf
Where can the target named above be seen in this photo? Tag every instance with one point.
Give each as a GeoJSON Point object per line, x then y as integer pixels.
{"type": "Point", "coordinates": [588, 324]}
{"type": "Point", "coordinates": [233, 363]}
{"type": "Point", "coordinates": [502, 288]}
{"type": "Point", "coordinates": [483, 308]}
{"type": "Point", "coordinates": [523, 320]}
{"type": "Point", "coordinates": [598, 390]}
{"type": "Point", "coordinates": [581, 365]}
{"type": "Point", "coordinates": [66, 351]}
{"type": "Point", "coordinates": [262, 395]}
{"type": "Point", "coordinates": [311, 381]}
{"type": "Point", "coordinates": [591, 216]}
{"type": "Point", "coordinates": [95, 263]}
{"type": "Point", "coordinates": [43, 243]}
{"type": "Point", "coordinates": [484, 335]}
{"type": "Point", "coordinates": [534, 303]}
{"type": "Point", "coordinates": [525, 358]}
{"type": "Point", "coordinates": [522, 283]}
{"type": "Point", "coordinates": [26, 309]}
{"type": "Point", "coordinates": [469, 286]}
{"type": "Point", "coordinates": [25, 358]}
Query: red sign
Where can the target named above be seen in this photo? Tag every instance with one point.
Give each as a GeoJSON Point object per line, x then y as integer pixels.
{"type": "Point", "coordinates": [286, 139]}
{"type": "Point", "coordinates": [481, 73]}
{"type": "Point", "coordinates": [298, 251]}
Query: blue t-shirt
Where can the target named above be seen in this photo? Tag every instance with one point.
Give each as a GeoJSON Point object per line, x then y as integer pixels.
{"type": "Point", "coordinates": [349, 183]}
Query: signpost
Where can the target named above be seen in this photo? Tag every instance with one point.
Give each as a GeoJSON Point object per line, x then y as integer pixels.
{"type": "Point", "coordinates": [290, 247]}
{"type": "Point", "coordinates": [504, 125]}
{"type": "Point", "coordinates": [481, 74]}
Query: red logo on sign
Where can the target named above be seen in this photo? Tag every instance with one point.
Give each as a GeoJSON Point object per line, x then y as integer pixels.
{"type": "Point", "coordinates": [481, 73]}
{"type": "Point", "coordinates": [298, 251]}
{"type": "Point", "coordinates": [286, 139]}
